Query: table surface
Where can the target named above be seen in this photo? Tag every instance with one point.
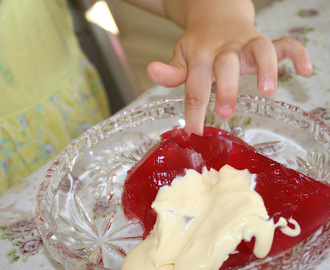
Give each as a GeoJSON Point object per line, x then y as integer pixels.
{"type": "Point", "coordinates": [307, 21]}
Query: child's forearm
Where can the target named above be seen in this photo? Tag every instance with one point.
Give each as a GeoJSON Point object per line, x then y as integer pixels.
{"type": "Point", "coordinates": [153, 6]}
{"type": "Point", "coordinates": [189, 12]}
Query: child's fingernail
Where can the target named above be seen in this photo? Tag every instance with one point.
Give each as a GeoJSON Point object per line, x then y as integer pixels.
{"type": "Point", "coordinates": [268, 85]}
{"type": "Point", "coordinates": [308, 66]}
{"type": "Point", "coordinates": [225, 111]}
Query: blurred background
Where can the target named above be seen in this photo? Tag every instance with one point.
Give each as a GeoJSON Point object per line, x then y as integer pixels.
{"type": "Point", "coordinates": [121, 40]}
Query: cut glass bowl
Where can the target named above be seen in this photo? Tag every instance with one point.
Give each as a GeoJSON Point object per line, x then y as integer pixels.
{"type": "Point", "coordinates": [79, 209]}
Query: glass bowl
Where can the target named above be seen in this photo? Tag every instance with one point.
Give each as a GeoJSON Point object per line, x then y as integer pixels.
{"type": "Point", "coordinates": [79, 210]}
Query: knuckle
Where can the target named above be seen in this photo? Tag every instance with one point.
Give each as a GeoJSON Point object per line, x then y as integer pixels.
{"type": "Point", "coordinates": [284, 41]}
{"type": "Point", "coordinates": [194, 101]}
{"type": "Point", "coordinates": [202, 54]}
{"type": "Point", "coordinates": [227, 90]}
{"type": "Point", "coordinates": [262, 41]}
{"type": "Point", "coordinates": [288, 40]}
{"type": "Point", "coordinates": [227, 56]}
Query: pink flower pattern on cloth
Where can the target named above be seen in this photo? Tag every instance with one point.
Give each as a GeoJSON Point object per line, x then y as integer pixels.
{"type": "Point", "coordinates": [24, 237]}
{"type": "Point", "coordinates": [22, 228]}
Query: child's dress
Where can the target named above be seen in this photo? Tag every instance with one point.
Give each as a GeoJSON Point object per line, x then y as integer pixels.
{"type": "Point", "coordinates": [50, 93]}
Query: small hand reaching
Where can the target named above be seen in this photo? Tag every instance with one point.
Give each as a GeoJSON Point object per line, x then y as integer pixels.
{"type": "Point", "coordinates": [220, 47]}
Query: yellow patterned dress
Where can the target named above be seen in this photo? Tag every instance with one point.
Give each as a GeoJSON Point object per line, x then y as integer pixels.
{"type": "Point", "coordinates": [50, 93]}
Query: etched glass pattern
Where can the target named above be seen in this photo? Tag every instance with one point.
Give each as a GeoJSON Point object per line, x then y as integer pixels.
{"type": "Point", "coordinates": [79, 210]}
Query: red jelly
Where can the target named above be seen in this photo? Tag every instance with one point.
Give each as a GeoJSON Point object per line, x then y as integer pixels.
{"type": "Point", "coordinates": [286, 192]}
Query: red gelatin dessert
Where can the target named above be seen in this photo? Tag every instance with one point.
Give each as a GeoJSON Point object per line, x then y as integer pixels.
{"type": "Point", "coordinates": [286, 192]}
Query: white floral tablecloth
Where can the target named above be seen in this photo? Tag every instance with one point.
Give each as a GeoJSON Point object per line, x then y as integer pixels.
{"type": "Point", "coordinates": [307, 21]}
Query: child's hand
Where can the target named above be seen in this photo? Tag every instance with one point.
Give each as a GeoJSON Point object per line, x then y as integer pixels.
{"type": "Point", "coordinates": [221, 49]}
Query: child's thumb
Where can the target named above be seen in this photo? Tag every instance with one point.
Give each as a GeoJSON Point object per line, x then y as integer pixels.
{"type": "Point", "coordinates": [168, 75]}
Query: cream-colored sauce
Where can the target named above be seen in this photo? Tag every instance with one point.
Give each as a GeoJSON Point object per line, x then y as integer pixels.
{"type": "Point", "coordinates": [201, 220]}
